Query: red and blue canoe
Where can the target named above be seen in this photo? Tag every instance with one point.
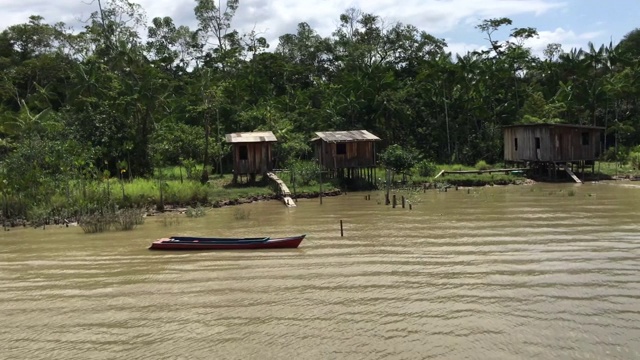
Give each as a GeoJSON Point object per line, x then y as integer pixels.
{"type": "Point", "coordinates": [212, 243]}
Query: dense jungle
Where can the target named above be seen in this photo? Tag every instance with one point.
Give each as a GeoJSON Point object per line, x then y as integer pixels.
{"type": "Point", "coordinates": [84, 112]}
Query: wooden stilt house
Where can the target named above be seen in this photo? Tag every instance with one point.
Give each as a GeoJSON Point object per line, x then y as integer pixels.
{"type": "Point", "coordinates": [347, 154]}
{"type": "Point", "coordinates": [552, 146]}
{"type": "Point", "coordinates": [252, 153]}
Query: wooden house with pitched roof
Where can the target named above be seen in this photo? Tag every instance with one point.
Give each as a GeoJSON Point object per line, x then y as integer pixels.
{"type": "Point", "coordinates": [347, 154]}
{"type": "Point", "coordinates": [552, 146]}
{"type": "Point", "coordinates": [252, 153]}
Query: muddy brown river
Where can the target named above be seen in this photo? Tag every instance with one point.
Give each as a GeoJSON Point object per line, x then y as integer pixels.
{"type": "Point", "coordinates": [519, 272]}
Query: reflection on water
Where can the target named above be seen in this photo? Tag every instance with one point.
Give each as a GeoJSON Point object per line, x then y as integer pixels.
{"type": "Point", "coordinates": [493, 273]}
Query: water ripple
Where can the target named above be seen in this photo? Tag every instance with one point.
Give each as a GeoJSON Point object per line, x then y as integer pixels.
{"type": "Point", "coordinates": [499, 273]}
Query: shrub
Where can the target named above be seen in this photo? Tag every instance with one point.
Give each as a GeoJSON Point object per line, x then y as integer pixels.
{"type": "Point", "coordinates": [305, 172]}
{"type": "Point", "coordinates": [634, 160]}
{"type": "Point", "coordinates": [482, 165]}
{"type": "Point", "coordinates": [621, 156]}
{"type": "Point", "coordinates": [96, 223]}
{"type": "Point", "coordinates": [426, 168]}
{"type": "Point", "coordinates": [127, 219]}
{"type": "Point", "coordinates": [400, 159]}
{"type": "Point", "coordinates": [196, 212]}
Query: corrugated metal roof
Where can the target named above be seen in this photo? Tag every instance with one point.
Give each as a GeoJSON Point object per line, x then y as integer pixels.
{"type": "Point", "coordinates": [345, 136]}
{"type": "Point", "coordinates": [250, 137]}
{"type": "Point", "coordinates": [575, 126]}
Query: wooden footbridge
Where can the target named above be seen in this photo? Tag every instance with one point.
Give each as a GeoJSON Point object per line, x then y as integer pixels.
{"type": "Point", "coordinates": [489, 171]}
{"type": "Point", "coordinates": [284, 190]}
{"type": "Point", "coordinates": [505, 171]}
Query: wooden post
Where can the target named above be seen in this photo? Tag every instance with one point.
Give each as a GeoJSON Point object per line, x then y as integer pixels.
{"type": "Point", "coordinates": [410, 206]}
{"type": "Point", "coordinates": [394, 201]}
{"type": "Point", "coordinates": [295, 194]}
{"type": "Point", "coordinates": [341, 229]}
{"type": "Point", "coordinates": [388, 186]}
{"type": "Point", "coordinates": [320, 174]}
{"type": "Point", "coordinates": [403, 201]}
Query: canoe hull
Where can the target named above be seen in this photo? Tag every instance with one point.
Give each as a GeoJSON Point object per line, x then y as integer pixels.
{"type": "Point", "coordinates": [280, 243]}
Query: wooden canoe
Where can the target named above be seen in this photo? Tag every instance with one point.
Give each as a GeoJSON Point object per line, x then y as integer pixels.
{"type": "Point", "coordinates": [193, 243]}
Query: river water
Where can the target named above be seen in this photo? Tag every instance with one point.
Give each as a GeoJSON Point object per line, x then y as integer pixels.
{"type": "Point", "coordinates": [541, 271]}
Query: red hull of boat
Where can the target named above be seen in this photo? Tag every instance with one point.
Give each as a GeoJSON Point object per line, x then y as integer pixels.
{"type": "Point", "coordinates": [282, 243]}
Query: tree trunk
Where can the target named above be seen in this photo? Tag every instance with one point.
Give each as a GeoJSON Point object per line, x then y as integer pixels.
{"type": "Point", "coordinates": [207, 134]}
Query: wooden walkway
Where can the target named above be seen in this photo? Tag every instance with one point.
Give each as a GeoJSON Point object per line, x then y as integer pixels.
{"type": "Point", "coordinates": [506, 171]}
{"type": "Point", "coordinates": [284, 190]}
{"type": "Point", "coordinates": [573, 176]}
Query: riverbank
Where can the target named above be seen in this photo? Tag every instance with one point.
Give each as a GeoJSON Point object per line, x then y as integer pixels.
{"type": "Point", "coordinates": [171, 191]}
{"type": "Point", "coordinates": [245, 200]}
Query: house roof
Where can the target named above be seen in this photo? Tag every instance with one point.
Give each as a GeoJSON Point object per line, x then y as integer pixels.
{"type": "Point", "coordinates": [574, 126]}
{"type": "Point", "coordinates": [250, 137]}
{"type": "Point", "coordinates": [345, 136]}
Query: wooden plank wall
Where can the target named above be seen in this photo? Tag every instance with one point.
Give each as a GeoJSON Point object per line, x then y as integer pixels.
{"type": "Point", "coordinates": [358, 154]}
{"type": "Point", "coordinates": [259, 159]}
{"type": "Point", "coordinates": [557, 144]}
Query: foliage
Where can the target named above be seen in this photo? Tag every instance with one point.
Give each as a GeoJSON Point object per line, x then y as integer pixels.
{"type": "Point", "coordinates": [426, 168]}
{"type": "Point", "coordinates": [304, 173]}
{"type": "Point", "coordinates": [195, 212]}
{"type": "Point", "coordinates": [75, 105]}
{"type": "Point", "coordinates": [96, 223]}
{"type": "Point", "coordinates": [400, 159]}
{"type": "Point", "coordinates": [634, 160]}
{"type": "Point", "coordinates": [482, 165]}
{"type": "Point", "coordinates": [128, 219]}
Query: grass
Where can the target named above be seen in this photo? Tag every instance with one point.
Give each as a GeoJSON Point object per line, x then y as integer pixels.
{"type": "Point", "coordinates": [83, 198]}
{"type": "Point", "coordinates": [146, 192]}
{"type": "Point", "coordinates": [469, 179]}
{"type": "Point", "coordinates": [481, 179]}
{"type": "Point", "coordinates": [615, 169]}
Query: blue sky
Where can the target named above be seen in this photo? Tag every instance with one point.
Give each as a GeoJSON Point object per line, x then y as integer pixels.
{"type": "Point", "coordinates": [572, 23]}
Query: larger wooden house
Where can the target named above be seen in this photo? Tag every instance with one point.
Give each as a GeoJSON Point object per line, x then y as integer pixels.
{"type": "Point", "coordinates": [349, 154]}
{"type": "Point", "coordinates": [552, 145]}
{"type": "Point", "coordinates": [252, 153]}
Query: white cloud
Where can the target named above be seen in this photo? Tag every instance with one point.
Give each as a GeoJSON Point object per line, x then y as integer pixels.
{"type": "Point", "coordinates": [433, 16]}
{"type": "Point", "coordinates": [461, 48]}
{"type": "Point", "coordinates": [276, 17]}
{"type": "Point", "coordinates": [568, 38]}
{"type": "Point", "coordinates": [280, 16]}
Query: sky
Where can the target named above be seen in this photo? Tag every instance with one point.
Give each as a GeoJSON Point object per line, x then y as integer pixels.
{"type": "Point", "coordinates": [572, 23]}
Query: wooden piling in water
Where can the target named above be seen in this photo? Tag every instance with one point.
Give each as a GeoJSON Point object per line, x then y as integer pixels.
{"type": "Point", "coordinates": [320, 175]}
{"type": "Point", "coordinates": [394, 201]}
{"type": "Point", "coordinates": [403, 201]}
{"type": "Point", "coordinates": [341, 229]}
{"type": "Point", "coordinates": [388, 186]}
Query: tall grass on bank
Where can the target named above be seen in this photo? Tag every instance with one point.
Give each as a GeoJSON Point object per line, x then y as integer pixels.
{"type": "Point", "coordinates": [121, 220]}
{"type": "Point", "coordinates": [83, 198]}
{"type": "Point", "coordinates": [79, 199]}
